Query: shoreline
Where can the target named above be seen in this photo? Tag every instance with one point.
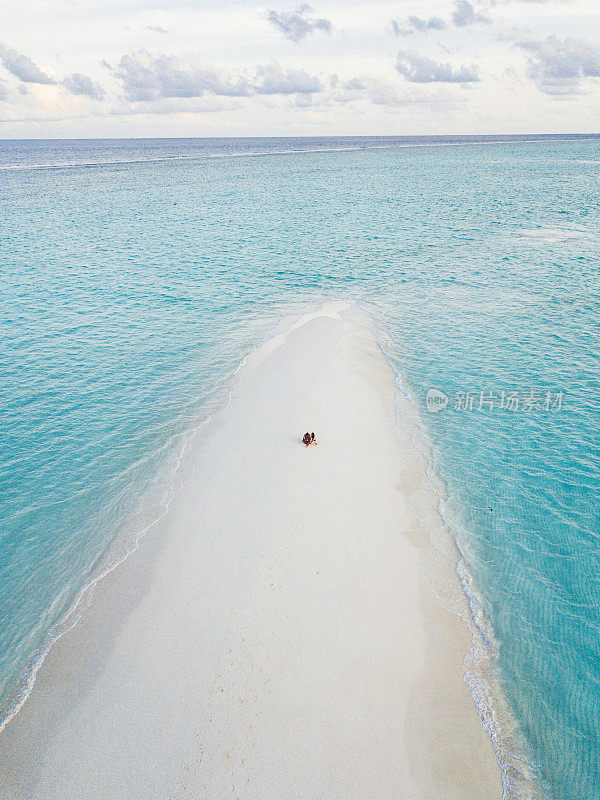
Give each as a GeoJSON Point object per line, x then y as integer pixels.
{"type": "Point", "coordinates": [126, 544]}
{"type": "Point", "coordinates": [74, 680]}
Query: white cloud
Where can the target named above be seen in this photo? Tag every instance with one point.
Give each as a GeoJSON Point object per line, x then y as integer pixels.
{"type": "Point", "coordinates": [297, 25]}
{"type": "Point", "coordinates": [272, 79]}
{"type": "Point", "coordinates": [83, 85]}
{"type": "Point", "coordinates": [414, 24]}
{"type": "Point", "coordinates": [559, 66]}
{"type": "Point", "coordinates": [379, 92]}
{"type": "Point", "coordinates": [418, 68]}
{"type": "Point", "coordinates": [22, 67]}
{"type": "Point", "coordinates": [464, 14]}
{"type": "Point", "coordinates": [148, 77]}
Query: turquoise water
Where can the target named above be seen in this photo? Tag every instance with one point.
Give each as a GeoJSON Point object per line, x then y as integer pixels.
{"type": "Point", "coordinates": [136, 275]}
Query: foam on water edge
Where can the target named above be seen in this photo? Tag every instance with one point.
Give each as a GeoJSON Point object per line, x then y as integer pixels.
{"type": "Point", "coordinates": [152, 510]}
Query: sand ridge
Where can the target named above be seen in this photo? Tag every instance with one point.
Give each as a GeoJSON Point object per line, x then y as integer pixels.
{"type": "Point", "coordinates": [273, 636]}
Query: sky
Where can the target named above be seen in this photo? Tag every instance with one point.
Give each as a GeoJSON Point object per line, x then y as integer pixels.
{"type": "Point", "coordinates": [123, 68]}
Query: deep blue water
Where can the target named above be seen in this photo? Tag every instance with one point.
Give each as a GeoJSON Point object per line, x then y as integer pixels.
{"type": "Point", "coordinates": [135, 276]}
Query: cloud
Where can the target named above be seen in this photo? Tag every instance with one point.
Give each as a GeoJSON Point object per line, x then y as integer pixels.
{"type": "Point", "coordinates": [297, 25]}
{"type": "Point", "coordinates": [156, 29]}
{"type": "Point", "coordinates": [378, 92]}
{"type": "Point", "coordinates": [417, 25]}
{"type": "Point", "coordinates": [559, 66]}
{"type": "Point", "coordinates": [464, 14]}
{"type": "Point", "coordinates": [23, 67]}
{"type": "Point", "coordinates": [272, 79]}
{"type": "Point", "coordinates": [387, 95]}
{"type": "Point", "coordinates": [148, 77]}
{"type": "Point", "coordinates": [80, 84]}
{"type": "Point", "coordinates": [417, 68]}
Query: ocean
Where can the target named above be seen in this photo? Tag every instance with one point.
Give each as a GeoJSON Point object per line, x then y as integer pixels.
{"type": "Point", "coordinates": [136, 275]}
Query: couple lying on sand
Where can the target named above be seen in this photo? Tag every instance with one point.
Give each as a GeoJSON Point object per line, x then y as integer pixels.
{"type": "Point", "coordinates": [309, 438]}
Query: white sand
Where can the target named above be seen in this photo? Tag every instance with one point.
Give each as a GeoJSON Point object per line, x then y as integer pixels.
{"type": "Point", "coordinates": [273, 637]}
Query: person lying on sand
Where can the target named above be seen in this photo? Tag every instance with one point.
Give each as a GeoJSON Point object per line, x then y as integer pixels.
{"type": "Point", "coordinates": [312, 439]}
{"type": "Point", "coordinates": [306, 439]}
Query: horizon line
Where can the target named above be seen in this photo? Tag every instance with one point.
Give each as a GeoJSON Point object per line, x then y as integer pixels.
{"type": "Point", "coordinates": [424, 136]}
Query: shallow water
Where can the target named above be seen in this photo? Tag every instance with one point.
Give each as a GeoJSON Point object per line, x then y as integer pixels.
{"type": "Point", "coordinates": [136, 276]}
